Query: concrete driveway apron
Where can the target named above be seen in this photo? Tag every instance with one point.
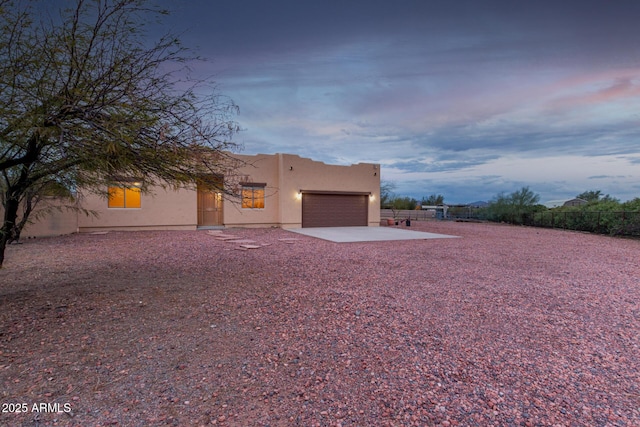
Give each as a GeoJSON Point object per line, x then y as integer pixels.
{"type": "Point", "coordinates": [366, 234]}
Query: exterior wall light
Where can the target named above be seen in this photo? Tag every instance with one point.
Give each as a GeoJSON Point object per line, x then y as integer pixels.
{"type": "Point", "coordinates": [299, 195]}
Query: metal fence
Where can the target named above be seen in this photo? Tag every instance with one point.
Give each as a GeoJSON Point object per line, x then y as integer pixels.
{"type": "Point", "coordinates": [452, 212]}
{"type": "Point", "coordinates": [414, 215]}
{"type": "Point", "coordinates": [613, 223]}
{"type": "Point", "coordinates": [619, 223]}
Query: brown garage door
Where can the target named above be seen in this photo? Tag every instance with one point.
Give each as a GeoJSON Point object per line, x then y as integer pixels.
{"type": "Point", "coordinates": [334, 210]}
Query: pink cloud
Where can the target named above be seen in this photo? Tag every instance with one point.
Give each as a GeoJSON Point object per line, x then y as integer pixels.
{"type": "Point", "coordinates": [595, 89]}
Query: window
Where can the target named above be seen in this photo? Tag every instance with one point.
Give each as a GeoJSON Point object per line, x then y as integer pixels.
{"type": "Point", "coordinates": [253, 196]}
{"type": "Point", "coordinates": [124, 197]}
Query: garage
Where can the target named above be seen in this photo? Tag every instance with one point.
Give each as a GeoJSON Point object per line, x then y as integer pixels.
{"type": "Point", "coordinates": [333, 209]}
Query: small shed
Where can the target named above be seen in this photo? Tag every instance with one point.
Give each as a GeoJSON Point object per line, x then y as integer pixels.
{"type": "Point", "coordinates": [565, 202]}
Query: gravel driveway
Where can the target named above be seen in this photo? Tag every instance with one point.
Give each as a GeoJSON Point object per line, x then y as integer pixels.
{"type": "Point", "coordinates": [504, 326]}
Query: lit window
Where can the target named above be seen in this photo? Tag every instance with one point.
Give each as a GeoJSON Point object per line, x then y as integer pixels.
{"type": "Point", "coordinates": [253, 196]}
{"type": "Point", "coordinates": [124, 197]}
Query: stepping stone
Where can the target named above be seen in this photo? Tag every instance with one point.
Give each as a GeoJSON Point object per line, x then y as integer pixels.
{"type": "Point", "coordinates": [225, 238]}
{"type": "Point", "coordinates": [250, 246]}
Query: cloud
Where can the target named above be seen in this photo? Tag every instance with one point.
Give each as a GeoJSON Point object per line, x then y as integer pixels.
{"type": "Point", "coordinates": [619, 93]}
{"type": "Point", "coordinates": [462, 97]}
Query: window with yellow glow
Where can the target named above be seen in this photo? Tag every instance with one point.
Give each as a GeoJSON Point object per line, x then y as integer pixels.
{"type": "Point", "coordinates": [252, 197]}
{"type": "Point", "coordinates": [124, 197]}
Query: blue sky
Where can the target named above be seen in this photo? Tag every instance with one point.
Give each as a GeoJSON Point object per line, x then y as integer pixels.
{"type": "Point", "coordinates": [461, 98]}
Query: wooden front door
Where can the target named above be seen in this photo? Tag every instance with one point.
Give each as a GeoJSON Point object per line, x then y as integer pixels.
{"type": "Point", "coordinates": [209, 207]}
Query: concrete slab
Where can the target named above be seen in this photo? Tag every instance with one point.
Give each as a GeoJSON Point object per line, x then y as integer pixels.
{"type": "Point", "coordinates": [366, 234]}
{"type": "Point", "coordinates": [224, 237]}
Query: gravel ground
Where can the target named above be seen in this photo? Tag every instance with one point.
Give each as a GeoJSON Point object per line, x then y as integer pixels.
{"type": "Point", "coordinates": [506, 326]}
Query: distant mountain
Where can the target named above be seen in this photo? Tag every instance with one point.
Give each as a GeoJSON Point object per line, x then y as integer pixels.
{"type": "Point", "coordinates": [479, 204]}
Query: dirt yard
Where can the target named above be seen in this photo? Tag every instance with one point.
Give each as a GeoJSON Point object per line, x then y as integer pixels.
{"type": "Point", "coordinates": [505, 326]}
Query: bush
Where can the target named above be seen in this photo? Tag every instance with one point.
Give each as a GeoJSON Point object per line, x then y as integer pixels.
{"type": "Point", "coordinates": [518, 207]}
{"type": "Point", "coordinates": [605, 216]}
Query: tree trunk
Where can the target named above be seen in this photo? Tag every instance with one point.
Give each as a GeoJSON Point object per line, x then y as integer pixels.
{"type": "Point", "coordinates": [8, 224]}
{"type": "Point", "coordinates": [18, 226]}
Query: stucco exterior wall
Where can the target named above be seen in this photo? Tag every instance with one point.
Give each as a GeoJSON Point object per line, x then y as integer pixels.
{"type": "Point", "coordinates": [160, 210]}
{"type": "Point", "coordinates": [257, 169]}
{"type": "Point", "coordinates": [308, 175]}
{"type": "Point", "coordinates": [284, 177]}
{"type": "Point", "coordinates": [287, 174]}
{"type": "Point", "coordinates": [56, 223]}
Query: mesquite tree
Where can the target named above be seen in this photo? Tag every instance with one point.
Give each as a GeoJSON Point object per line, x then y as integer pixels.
{"type": "Point", "coordinates": [86, 98]}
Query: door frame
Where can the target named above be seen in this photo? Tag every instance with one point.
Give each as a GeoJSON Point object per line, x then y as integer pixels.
{"type": "Point", "coordinates": [205, 191]}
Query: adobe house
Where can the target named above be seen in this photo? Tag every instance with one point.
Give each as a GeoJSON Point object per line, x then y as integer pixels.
{"type": "Point", "coordinates": [278, 190]}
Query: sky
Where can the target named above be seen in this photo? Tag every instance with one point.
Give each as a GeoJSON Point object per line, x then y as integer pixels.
{"type": "Point", "coordinates": [466, 99]}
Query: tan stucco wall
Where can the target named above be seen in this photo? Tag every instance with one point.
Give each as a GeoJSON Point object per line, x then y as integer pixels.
{"type": "Point", "coordinates": [287, 174]}
{"type": "Point", "coordinates": [160, 210]}
{"type": "Point", "coordinates": [309, 175]}
{"type": "Point", "coordinates": [262, 169]}
{"type": "Point", "coordinates": [284, 175]}
{"type": "Point", "coordinates": [56, 223]}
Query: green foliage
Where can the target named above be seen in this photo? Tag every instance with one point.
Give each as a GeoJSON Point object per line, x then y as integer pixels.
{"type": "Point", "coordinates": [404, 203]}
{"type": "Point", "coordinates": [433, 200]}
{"type": "Point", "coordinates": [604, 214]}
{"type": "Point", "coordinates": [595, 196]}
{"type": "Point", "coordinates": [631, 205]}
{"type": "Point", "coordinates": [514, 208]}
{"type": "Point", "coordinates": [589, 195]}
{"type": "Point", "coordinates": [388, 200]}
